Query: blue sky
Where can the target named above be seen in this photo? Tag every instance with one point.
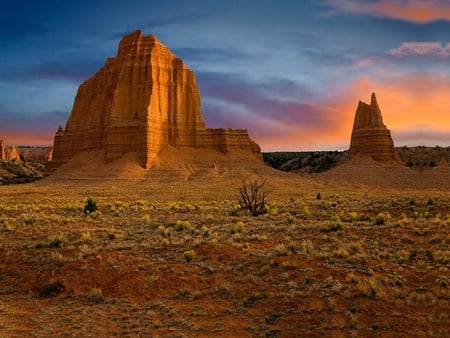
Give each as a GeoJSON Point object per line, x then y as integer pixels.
{"type": "Point", "coordinates": [291, 72]}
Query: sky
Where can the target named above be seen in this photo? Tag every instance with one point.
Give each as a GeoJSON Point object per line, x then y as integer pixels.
{"type": "Point", "coordinates": [291, 72]}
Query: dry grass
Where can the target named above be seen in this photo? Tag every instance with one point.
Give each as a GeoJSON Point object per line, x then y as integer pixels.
{"type": "Point", "coordinates": [171, 259]}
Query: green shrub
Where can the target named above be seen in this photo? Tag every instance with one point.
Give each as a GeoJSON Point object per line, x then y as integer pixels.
{"type": "Point", "coordinates": [238, 227]}
{"type": "Point", "coordinates": [146, 219]}
{"type": "Point", "coordinates": [56, 241]}
{"type": "Point", "coordinates": [86, 237]}
{"type": "Point", "coordinates": [183, 225]}
{"type": "Point", "coordinates": [382, 218]}
{"type": "Point", "coordinates": [90, 206]}
{"type": "Point", "coordinates": [95, 296]}
{"type": "Point", "coordinates": [189, 255]}
{"type": "Point", "coordinates": [334, 225]}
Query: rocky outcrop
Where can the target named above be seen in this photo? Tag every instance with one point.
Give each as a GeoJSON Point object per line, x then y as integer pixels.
{"type": "Point", "coordinates": [12, 154]}
{"type": "Point", "coordinates": [2, 150]}
{"type": "Point", "coordinates": [35, 154]}
{"type": "Point", "coordinates": [143, 100]}
{"type": "Point", "coordinates": [370, 137]}
{"type": "Point", "coordinates": [8, 153]}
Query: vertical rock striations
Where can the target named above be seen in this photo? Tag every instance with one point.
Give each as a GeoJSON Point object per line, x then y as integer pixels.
{"type": "Point", "coordinates": [34, 154]}
{"type": "Point", "coordinates": [2, 150]}
{"type": "Point", "coordinates": [370, 136]}
{"type": "Point", "coordinates": [143, 100]}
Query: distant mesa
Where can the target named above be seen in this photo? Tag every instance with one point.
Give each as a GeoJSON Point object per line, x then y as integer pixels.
{"type": "Point", "coordinates": [146, 101]}
{"type": "Point", "coordinates": [370, 137]}
{"type": "Point", "coordinates": [8, 153]}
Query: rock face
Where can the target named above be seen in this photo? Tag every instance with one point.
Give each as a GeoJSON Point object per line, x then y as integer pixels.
{"type": "Point", "coordinates": [8, 154]}
{"type": "Point", "coordinates": [370, 136]}
{"type": "Point", "coordinates": [12, 154]}
{"type": "Point", "coordinates": [2, 150]}
{"type": "Point", "coordinates": [143, 100]}
{"type": "Point", "coordinates": [35, 154]}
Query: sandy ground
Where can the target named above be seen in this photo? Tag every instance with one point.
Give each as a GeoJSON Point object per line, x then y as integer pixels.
{"type": "Point", "coordinates": [168, 254]}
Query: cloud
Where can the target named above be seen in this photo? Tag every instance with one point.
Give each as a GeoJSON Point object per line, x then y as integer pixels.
{"type": "Point", "coordinates": [421, 48]}
{"type": "Point", "coordinates": [210, 55]}
{"type": "Point", "coordinates": [419, 11]}
{"type": "Point", "coordinates": [416, 101]}
{"type": "Point", "coordinates": [278, 113]}
{"type": "Point", "coordinates": [272, 99]}
{"type": "Point", "coordinates": [151, 25]}
{"type": "Point", "coordinates": [174, 20]}
{"type": "Point", "coordinates": [75, 71]}
{"type": "Point", "coordinates": [20, 128]}
{"type": "Point", "coordinates": [283, 115]}
{"type": "Point", "coordinates": [422, 135]}
{"type": "Point", "coordinates": [16, 120]}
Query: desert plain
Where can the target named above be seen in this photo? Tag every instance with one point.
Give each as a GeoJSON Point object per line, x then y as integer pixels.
{"type": "Point", "coordinates": [168, 253]}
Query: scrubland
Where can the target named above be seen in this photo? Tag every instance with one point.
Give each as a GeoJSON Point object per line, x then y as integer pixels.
{"type": "Point", "coordinates": [177, 258]}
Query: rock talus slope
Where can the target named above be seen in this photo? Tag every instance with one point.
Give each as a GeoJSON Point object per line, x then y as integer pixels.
{"type": "Point", "coordinates": [370, 137]}
{"type": "Point", "coordinates": [144, 100]}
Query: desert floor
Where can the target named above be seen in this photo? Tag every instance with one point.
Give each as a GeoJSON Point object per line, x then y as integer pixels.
{"type": "Point", "coordinates": [169, 256]}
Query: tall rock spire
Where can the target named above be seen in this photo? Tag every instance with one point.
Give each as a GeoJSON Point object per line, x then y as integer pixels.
{"type": "Point", "coordinates": [12, 154]}
{"type": "Point", "coordinates": [2, 150]}
{"type": "Point", "coordinates": [8, 153]}
{"type": "Point", "coordinates": [369, 135]}
{"type": "Point", "coordinates": [375, 113]}
{"type": "Point", "coordinates": [143, 100]}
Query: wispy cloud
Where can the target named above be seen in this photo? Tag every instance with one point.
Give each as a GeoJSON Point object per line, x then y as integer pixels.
{"type": "Point", "coordinates": [20, 128]}
{"type": "Point", "coordinates": [67, 70]}
{"type": "Point", "coordinates": [190, 54]}
{"type": "Point", "coordinates": [420, 11]}
{"type": "Point", "coordinates": [422, 135]}
{"type": "Point", "coordinates": [421, 48]}
{"type": "Point", "coordinates": [279, 113]}
{"type": "Point", "coordinates": [151, 25]}
{"type": "Point", "coordinates": [174, 20]}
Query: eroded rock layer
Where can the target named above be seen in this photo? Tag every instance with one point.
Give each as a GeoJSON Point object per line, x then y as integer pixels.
{"type": "Point", "coordinates": [142, 100]}
{"type": "Point", "coordinates": [8, 153]}
{"type": "Point", "coordinates": [370, 136]}
{"type": "Point", "coordinates": [2, 150]}
{"type": "Point", "coordinates": [35, 154]}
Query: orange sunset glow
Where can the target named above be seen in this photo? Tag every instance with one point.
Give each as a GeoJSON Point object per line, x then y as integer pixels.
{"type": "Point", "coordinates": [292, 75]}
{"type": "Point", "coordinates": [417, 11]}
{"type": "Point", "coordinates": [413, 10]}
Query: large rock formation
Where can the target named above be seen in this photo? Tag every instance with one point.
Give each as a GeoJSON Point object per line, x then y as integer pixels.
{"type": "Point", "coordinates": [370, 137]}
{"type": "Point", "coordinates": [8, 153]}
{"type": "Point", "coordinates": [143, 100]}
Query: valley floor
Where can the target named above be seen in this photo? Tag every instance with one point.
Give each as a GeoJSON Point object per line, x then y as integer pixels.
{"type": "Point", "coordinates": [175, 258]}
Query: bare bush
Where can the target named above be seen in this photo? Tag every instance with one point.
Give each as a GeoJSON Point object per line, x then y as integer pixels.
{"type": "Point", "coordinates": [253, 197]}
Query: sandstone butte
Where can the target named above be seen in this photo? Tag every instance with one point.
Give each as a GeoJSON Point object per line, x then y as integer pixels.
{"type": "Point", "coordinates": [144, 100]}
{"type": "Point", "coordinates": [9, 154]}
{"type": "Point", "coordinates": [370, 137]}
